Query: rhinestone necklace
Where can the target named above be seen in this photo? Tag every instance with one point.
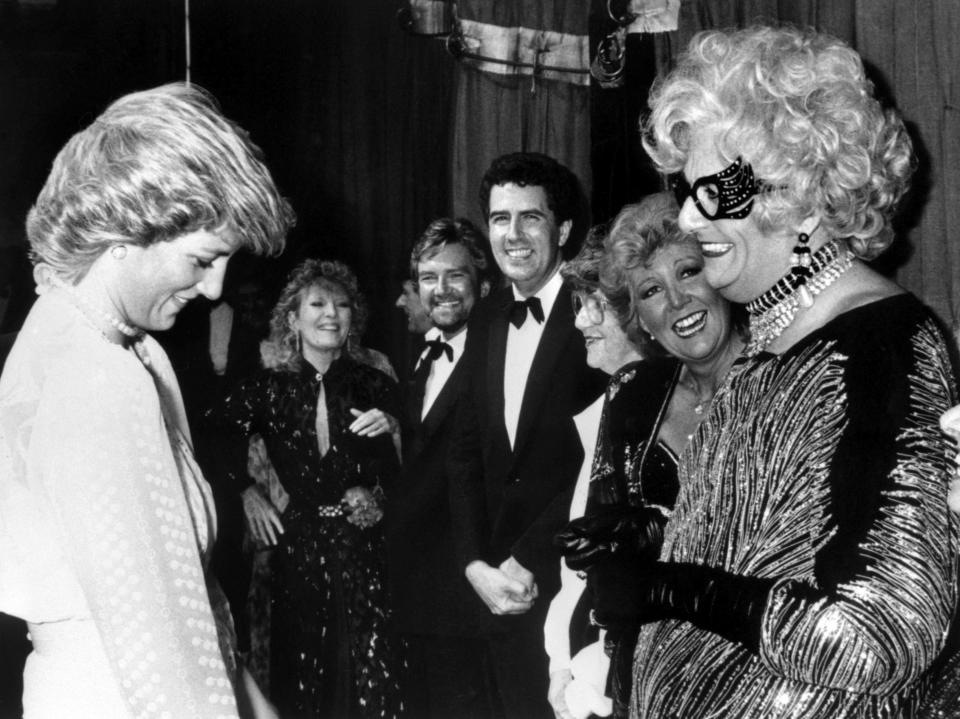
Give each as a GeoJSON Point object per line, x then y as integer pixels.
{"type": "Point", "coordinates": [773, 311]}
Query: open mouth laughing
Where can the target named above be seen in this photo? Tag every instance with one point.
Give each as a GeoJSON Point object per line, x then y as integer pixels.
{"type": "Point", "coordinates": [691, 324]}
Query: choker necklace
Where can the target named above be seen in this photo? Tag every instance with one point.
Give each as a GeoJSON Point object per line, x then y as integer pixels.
{"type": "Point", "coordinates": [128, 331]}
{"type": "Point", "coordinates": [773, 311]}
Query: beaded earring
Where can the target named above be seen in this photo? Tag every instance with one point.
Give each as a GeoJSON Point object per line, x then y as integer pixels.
{"type": "Point", "coordinates": [800, 262]}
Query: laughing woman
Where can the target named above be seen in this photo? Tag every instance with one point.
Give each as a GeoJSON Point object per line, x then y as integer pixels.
{"type": "Point", "coordinates": [809, 569]}
{"type": "Point", "coordinates": [666, 338]}
{"type": "Point", "coordinates": [326, 421]}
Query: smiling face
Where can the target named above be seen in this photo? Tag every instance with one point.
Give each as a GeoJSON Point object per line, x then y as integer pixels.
{"type": "Point", "coordinates": [524, 235]}
{"type": "Point", "coordinates": [156, 281]}
{"type": "Point", "coordinates": [447, 282]}
{"type": "Point", "coordinates": [322, 320]}
{"type": "Point", "coordinates": [740, 261]}
{"type": "Point", "coordinates": [608, 348]}
{"type": "Point", "coordinates": [678, 307]}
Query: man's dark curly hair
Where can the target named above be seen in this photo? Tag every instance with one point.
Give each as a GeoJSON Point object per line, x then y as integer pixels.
{"type": "Point", "coordinates": [561, 186]}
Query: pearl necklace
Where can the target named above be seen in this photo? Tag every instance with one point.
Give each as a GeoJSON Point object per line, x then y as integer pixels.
{"type": "Point", "coordinates": [132, 333]}
{"type": "Point", "coordinates": [773, 311]}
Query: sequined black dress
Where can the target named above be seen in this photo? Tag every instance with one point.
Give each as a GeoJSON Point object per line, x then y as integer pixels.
{"type": "Point", "coordinates": [331, 653]}
{"type": "Point", "coordinates": [821, 472]}
{"type": "Point", "coordinates": [632, 468]}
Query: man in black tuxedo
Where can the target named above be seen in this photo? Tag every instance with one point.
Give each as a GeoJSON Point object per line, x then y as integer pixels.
{"type": "Point", "coordinates": [516, 453]}
{"type": "Point", "coordinates": [434, 607]}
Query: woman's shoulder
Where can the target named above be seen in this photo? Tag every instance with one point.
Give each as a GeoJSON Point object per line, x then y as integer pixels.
{"type": "Point", "coordinates": [887, 318]}
{"type": "Point", "coordinates": [638, 390]}
{"type": "Point", "coordinates": [374, 358]}
{"type": "Point", "coordinates": [642, 375]}
{"type": "Point", "coordinates": [353, 371]}
{"type": "Point", "coordinates": [885, 337]}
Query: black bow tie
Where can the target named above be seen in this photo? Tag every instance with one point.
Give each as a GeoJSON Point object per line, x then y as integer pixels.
{"type": "Point", "coordinates": [518, 312]}
{"type": "Point", "coordinates": [435, 348]}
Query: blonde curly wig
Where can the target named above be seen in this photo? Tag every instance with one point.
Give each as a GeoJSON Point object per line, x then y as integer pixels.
{"type": "Point", "coordinates": [799, 108]}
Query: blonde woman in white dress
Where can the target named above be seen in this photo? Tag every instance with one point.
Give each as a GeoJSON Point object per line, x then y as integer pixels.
{"type": "Point", "coordinates": [105, 519]}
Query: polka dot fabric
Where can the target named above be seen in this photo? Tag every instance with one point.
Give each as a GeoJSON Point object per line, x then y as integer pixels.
{"type": "Point", "coordinates": [124, 510]}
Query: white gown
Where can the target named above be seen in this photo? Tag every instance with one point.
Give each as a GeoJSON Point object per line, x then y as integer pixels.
{"type": "Point", "coordinates": [104, 520]}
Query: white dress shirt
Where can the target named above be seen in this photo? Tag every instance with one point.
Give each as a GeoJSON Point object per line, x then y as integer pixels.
{"type": "Point", "coordinates": [442, 367]}
{"type": "Point", "coordinates": [521, 347]}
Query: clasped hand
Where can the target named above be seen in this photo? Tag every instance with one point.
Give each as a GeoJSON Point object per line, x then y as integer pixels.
{"type": "Point", "coordinates": [507, 589]}
{"type": "Point", "coordinates": [616, 546]}
{"type": "Point", "coordinates": [611, 530]}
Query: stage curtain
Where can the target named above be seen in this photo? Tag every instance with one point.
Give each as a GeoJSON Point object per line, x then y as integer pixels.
{"type": "Point", "coordinates": [913, 47]}
{"type": "Point", "coordinates": [497, 113]}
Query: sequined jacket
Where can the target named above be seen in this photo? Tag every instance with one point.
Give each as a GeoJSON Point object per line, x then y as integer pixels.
{"type": "Point", "coordinates": [823, 470]}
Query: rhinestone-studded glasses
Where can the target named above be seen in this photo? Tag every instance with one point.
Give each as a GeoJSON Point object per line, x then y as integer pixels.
{"type": "Point", "coordinates": [727, 194]}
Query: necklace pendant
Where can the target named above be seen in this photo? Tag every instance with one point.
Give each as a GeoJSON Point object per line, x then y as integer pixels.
{"type": "Point", "coordinates": [806, 299]}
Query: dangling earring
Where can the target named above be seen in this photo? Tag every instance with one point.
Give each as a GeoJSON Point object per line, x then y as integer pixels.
{"type": "Point", "coordinates": [299, 342]}
{"type": "Point", "coordinates": [118, 251]}
{"type": "Point", "coordinates": [800, 262]}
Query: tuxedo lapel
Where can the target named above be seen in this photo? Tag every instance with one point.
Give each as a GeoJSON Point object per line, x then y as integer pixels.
{"type": "Point", "coordinates": [553, 341]}
{"type": "Point", "coordinates": [411, 406]}
{"type": "Point", "coordinates": [497, 354]}
{"type": "Point", "coordinates": [443, 404]}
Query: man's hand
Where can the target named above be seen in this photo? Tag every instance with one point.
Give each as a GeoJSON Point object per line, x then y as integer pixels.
{"type": "Point", "coordinates": [500, 592]}
{"type": "Point", "coordinates": [513, 569]}
{"type": "Point", "coordinates": [555, 695]}
{"type": "Point", "coordinates": [263, 520]}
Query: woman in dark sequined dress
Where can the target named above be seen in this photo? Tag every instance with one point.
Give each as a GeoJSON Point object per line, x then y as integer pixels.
{"type": "Point", "coordinates": [326, 421]}
{"type": "Point", "coordinates": [810, 565]}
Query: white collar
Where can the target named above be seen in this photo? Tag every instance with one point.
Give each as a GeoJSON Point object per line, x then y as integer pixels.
{"type": "Point", "coordinates": [546, 294]}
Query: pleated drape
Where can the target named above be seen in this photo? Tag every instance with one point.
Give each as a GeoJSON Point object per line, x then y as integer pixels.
{"type": "Point", "coordinates": [497, 113]}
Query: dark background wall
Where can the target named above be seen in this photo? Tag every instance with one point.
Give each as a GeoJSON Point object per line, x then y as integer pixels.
{"type": "Point", "coordinates": [351, 112]}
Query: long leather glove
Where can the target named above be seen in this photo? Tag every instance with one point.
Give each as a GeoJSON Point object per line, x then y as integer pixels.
{"type": "Point", "coordinates": [628, 593]}
{"type": "Point", "coordinates": [635, 532]}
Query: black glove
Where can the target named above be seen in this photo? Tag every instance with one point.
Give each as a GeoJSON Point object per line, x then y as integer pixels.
{"type": "Point", "coordinates": [629, 593]}
{"type": "Point", "coordinates": [619, 644]}
{"type": "Point", "coordinates": [612, 529]}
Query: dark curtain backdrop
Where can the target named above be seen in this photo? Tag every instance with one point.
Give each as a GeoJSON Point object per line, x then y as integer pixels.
{"type": "Point", "coordinates": [496, 113]}
{"type": "Point", "coordinates": [356, 111]}
{"type": "Point", "coordinates": [352, 113]}
{"type": "Point", "coordinates": [373, 132]}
